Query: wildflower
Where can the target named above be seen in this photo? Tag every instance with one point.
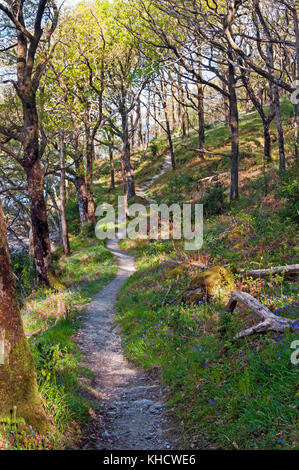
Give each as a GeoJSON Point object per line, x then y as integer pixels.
{"type": "Point", "coordinates": [211, 402]}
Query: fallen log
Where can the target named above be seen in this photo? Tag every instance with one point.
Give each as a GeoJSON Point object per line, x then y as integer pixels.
{"type": "Point", "coordinates": [36, 332]}
{"type": "Point", "coordinates": [216, 176]}
{"type": "Point", "coordinates": [171, 262]}
{"type": "Point", "coordinates": [203, 150]}
{"type": "Point", "coordinates": [176, 262]}
{"type": "Point", "coordinates": [201, 267]}
{"type": "Point", "coordinates": [269, 321]}
{"type": "Point", "coordinates": [291, 269]}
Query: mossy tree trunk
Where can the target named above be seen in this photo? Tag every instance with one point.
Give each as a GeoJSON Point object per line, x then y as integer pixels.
{"type": "Point", "coordinates": [39, 221]}
{"type": "Point", "coordinates": [18, 386]}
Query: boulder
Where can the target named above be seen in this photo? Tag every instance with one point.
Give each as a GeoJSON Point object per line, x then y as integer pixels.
{"type": "Point", "coordinates": [216, 282]}
{"type": "Point", "coordinates": [238, 237]}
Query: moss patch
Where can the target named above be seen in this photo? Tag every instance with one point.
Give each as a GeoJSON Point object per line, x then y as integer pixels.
{"type": "Point", "coordinates": [20, 389]}
{"type": "Point", "coordinates": [216, 282]}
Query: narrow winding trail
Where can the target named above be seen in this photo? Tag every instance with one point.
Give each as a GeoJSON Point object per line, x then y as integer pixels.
{"type": "Point", "coordinates": [131, 414]}
{"type": "Point", "coordinates": [141, 192]}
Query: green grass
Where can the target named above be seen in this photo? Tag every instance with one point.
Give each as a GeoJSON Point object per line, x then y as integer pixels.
{"type": "Point", "coordinates": [225, 394]}
{"type": "Point", "coordinates": [65, 396]}
{"type": "Point", "coordinates": [24, 272]}
{"type": "Point", "coordinates": [181, 185]}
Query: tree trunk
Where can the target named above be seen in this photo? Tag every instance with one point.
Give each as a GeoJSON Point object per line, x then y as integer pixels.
{"type": "Point", "coordinates": [225, 105]}
{"type": "Point", "coordinates": [133, 132]}
{"type": "Point", "coordinates": [296, 30]}
{"type": "Point", "coordinates": [62, 210]}
{"type": "Point", "coordinates": [140, 135]}
{"type": "Point", "coordinates": [112, 179]}
{"type": "Point", "coordinates": [295, 114]}
{"type": "Point", "coordinates": [80, 184]}
{"type": "Point", "coordinates": [18, 387]}
{"type": "Point", "coordinates": [31, 244]}
{"type": "Point", "coordinates": [126, 155]}
{"type": "Point", "coordinates": [275, 91]}
{"type": "Point", "coordinates": [261, 95]}
{"type": "Point", "coordinates": [148, 118]}
{"type": "Point", "coordinates": [226, 110]}
{"type": "Point", "coordinates": [182, 109]}
{"type": "Point", "coordinates": [39, 222]}
{"type": "Point", "coordinates": [295, 107]}
{"type": "Point", "coordinates": [246, 102]}
{"type": "Point", "coordinates": [200, 114]}
{"type": "Point", "coordinates": [38, 210]}
{"type": "Point", "coordinates": [267, 141]}
{"type": "Point", "coordinates": [282, 163]}
{"type": "Point", "coordinates": [234, 131]}
{"type": "Point", "coordinates": [155, 118]}
{"type": "Point", "coordinates": [170, 145]}
{"type": "Point", "coordinates": [173, 109]}
{"type": "Point", "coordinates": [89, 176]}
{"type": "Point", "coordinates": [128, 168]}
{"type": "Point", "coordinates": [168, 131]}
{"type": "Point", "coordinates": [257, 101]}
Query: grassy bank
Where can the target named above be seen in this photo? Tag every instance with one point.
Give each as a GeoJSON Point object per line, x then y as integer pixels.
{"type": "Point", "coordinates": [51, 319]}
{"type": "Point", "coordinates": [225, 394]}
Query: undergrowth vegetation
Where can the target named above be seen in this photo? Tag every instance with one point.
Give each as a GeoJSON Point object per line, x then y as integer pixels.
{"type": "Point", "coordinates": [225, 393]}
{"type": "Point", "coordinates": [51, 319]}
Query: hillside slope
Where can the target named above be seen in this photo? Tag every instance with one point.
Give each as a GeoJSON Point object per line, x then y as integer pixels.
{"type": "Point", "coordinates": [224, 394]}
{"type": "Point", "coordinates": [227, 394]}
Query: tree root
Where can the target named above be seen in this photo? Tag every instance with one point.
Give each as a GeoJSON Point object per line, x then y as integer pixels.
{"type": "Point", "coordinates": [269, 320]}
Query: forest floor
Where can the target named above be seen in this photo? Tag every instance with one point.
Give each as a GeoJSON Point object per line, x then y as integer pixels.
{"type": "Point", "coordinates": [224, 394]}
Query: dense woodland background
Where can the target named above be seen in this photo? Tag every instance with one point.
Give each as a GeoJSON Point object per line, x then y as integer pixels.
{"type": "Point", "coordinates": [94, 97]}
